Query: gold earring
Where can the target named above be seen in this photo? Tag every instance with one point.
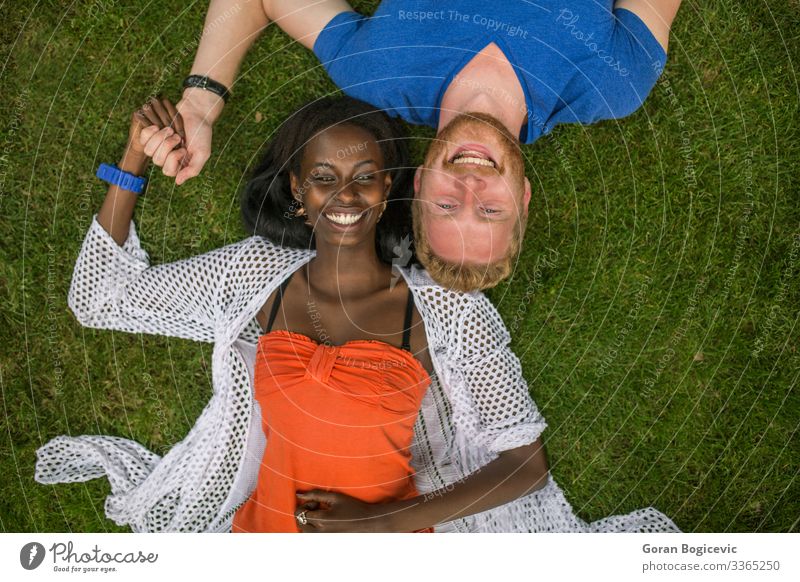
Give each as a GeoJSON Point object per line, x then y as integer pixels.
{"type": "Point", "coordinates": [302, 212]}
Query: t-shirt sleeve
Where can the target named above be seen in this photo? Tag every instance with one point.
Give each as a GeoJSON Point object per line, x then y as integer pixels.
{"type": "Point", "coordinates": [641, 59]}
{"type": "Point", "coordinates": [615, 76]}
{"type": "Point", "coordinates": [335, 36]}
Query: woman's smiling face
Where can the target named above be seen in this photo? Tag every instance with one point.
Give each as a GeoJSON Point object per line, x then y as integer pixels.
{"type": "Point", "coordinates": [342, 184]}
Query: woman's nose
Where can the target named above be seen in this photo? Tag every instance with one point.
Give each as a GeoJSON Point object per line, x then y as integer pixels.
{"type": "Point", "coordinates": [347, 194]}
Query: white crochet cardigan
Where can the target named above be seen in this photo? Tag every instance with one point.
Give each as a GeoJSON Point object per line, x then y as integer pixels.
{"type": "Point", "coordinates": [477, 406]}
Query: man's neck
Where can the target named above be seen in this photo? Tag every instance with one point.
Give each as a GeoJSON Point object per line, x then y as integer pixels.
{"type": "Point", "coordinates": [487, 84]}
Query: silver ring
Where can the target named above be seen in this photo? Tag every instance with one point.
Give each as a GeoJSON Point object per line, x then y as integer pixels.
{"type": "Point", "coordinates": [301, 517]}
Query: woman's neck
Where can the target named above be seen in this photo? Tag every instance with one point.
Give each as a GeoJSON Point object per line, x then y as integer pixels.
{"type": "Point", "coordinates": [346, 272]}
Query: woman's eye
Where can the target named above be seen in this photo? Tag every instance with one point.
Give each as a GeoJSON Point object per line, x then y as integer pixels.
{"type": "Point", "coordinates": [324, 179]}
{"type": "Point", "coordinates": [364, 178]}
{"type": "Point", "coordinates": [445, 206]}
{"type": "Point", "coordinates": [490, 211]}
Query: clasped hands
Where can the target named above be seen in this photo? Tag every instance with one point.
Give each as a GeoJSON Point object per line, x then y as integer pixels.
{"type": "Point", "coordinates": [176, 138]}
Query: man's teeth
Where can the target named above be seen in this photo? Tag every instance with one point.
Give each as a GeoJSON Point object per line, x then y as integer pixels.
{"type": "Point", "coordinates": [478, 161]}
{"type": "Point", "coordinates": [344, 218]}
{"type": "Point", "coordinates": [470, 157]}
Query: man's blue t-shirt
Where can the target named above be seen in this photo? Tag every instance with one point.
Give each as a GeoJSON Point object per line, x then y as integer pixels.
{"type": "Point", "coordinates": [578, 61]}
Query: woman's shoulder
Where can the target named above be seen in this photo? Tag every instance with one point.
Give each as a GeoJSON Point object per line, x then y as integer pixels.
{"type": "Point", "coordinates": [253, 260]}
{"type": "Point", "coordinates": [419, 279]}
{"type": "Point", "coordinates": [468, 322]}
{"type": "Point", "coordinates": [257, 249]}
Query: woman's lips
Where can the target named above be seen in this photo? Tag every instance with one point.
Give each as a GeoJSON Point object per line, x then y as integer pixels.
{"type": "Point", "coordinates": [344, 221]}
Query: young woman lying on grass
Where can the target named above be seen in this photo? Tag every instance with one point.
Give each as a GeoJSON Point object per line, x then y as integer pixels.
{"type": "Point", "coordinates": [351, 393]}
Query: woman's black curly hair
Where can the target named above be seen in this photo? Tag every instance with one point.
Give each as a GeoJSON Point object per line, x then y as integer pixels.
{"type": "Point", "coordinates": [267, 204]}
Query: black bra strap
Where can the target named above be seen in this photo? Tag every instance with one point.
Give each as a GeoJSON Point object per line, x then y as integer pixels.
{"type": "Point", "coordinates": [407, 325]}
{"type": "Point", "coordinates": [277, 302]}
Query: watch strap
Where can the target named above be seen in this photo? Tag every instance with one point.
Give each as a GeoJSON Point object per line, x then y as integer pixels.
{"type": "Point", "coordinates": [203, 82]}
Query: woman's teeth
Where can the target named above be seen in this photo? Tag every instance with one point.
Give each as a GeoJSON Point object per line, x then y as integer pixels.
{"type": "Point", "coordinates": [344, 219]}
{"type": "Point", "coordinates": [471, 157]}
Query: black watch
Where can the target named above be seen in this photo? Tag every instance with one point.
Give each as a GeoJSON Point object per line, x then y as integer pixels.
{"type": "Point", "coordinates": [203, 82]}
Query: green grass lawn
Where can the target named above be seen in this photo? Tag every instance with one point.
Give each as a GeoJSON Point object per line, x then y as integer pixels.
{"type": "Point", "coordinates": [654, 307]}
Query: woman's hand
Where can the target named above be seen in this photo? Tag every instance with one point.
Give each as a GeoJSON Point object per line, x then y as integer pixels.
{"type": "Point", "coordinates": [150, 135]}
{"type": "Point", "coordinates": [330, 512]}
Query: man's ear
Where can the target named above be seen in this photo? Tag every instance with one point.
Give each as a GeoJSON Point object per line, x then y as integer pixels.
{"type": "Point", "coordinates": [417, 180]}
{"type": "Point", "coordinates": [527, 198]}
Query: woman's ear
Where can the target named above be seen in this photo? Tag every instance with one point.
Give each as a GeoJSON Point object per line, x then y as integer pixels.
{"type": "Point", "coordinates": [387, 182]}
{"type": "Point", "coordinates": [293, 186]}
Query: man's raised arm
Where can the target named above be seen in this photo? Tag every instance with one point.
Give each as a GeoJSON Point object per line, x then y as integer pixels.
{"type": "Point", "coordinates": [229, 31]}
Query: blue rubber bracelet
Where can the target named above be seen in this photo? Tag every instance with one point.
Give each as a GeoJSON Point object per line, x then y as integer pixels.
{"type": "Point", "coordinates": [125, 180]}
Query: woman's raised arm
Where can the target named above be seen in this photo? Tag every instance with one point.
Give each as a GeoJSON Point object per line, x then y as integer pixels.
{"type": "Point", "coordinates": [113, 285]}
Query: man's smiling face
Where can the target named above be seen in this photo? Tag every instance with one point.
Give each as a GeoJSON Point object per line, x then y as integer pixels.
{"type": "Point", "coordinates": [472, 191]}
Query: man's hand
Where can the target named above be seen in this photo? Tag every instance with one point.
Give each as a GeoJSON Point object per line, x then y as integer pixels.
{"type": "Point", "coordinates": [156, 130]}
{"type": "Point", "coordinates": [198, 110]}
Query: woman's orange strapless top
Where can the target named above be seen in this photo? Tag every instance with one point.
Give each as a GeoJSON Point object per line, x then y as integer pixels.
{"type": "Point", "coordinates": [338, 418]}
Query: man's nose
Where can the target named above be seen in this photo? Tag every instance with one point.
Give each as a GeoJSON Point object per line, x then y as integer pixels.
{"type": "Point", "coordinates": [473, 183]}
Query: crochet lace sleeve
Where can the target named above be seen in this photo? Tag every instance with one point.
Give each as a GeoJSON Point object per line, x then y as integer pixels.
{"type": "Point", "coordinates": [505, 416]}
{"type": "Point", "coordinates": [114, 287]}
